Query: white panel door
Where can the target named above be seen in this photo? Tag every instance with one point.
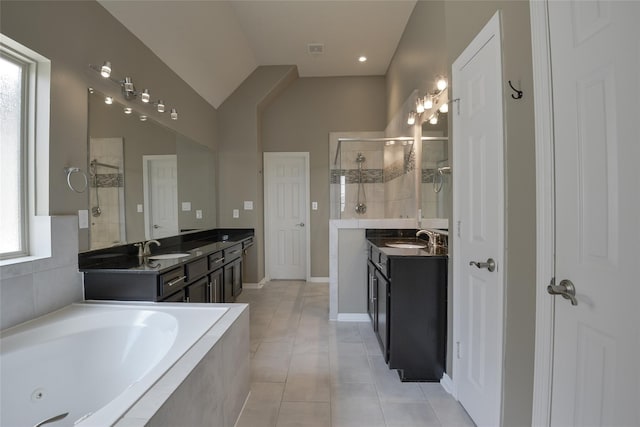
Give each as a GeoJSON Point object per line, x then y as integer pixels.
{"type": "Point", "coordinates": [478, 218]}
{"type": "Point", "coordinates": [595, 48]}
{"type": "Point", "coordinates": [286, 185]}
{"type": "Point", "coordinates": [161, 194]}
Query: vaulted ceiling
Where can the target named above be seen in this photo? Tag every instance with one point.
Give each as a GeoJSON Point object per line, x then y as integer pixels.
{"type": "Point", "coordinates": [214, 45]}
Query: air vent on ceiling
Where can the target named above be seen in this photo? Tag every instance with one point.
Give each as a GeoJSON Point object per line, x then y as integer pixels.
{"type": "Point", "coordinates": [315, 48]}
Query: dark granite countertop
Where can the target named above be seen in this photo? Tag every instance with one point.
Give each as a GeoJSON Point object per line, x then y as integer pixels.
{"type": "Point", "coordinates": [380, 239]}
{"type": "Point", "coordinates": [124, 259]}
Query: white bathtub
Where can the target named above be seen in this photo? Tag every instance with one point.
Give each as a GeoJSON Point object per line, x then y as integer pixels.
{"type": "Point", "coordinates": [93, 360]}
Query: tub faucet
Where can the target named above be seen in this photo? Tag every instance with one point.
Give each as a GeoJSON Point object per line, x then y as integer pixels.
{"type": "Point", "coordinates": [144, 248]}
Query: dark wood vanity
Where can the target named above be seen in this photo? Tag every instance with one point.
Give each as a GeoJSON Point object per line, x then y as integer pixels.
{"type": "Point", "coordinates": [211, 271]}
{"type": "Point", "coordinates": [407, 304]}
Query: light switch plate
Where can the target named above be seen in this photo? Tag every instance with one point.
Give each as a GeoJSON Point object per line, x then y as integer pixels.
{"type": "Point", "coordinates": [198, 214]}
{"type": "Point", "coordinates": [236, 213]}
{"type": "Point", "coordinates": [314, 206]}
{"type": "Point", "coordinates": [186, 206]}
{"type": "Point", "coordinates": [83, 218]}
{"type": "Point", "coordinates": [140, 209]}
{"type": "Point", "coordinates": [248, 205]}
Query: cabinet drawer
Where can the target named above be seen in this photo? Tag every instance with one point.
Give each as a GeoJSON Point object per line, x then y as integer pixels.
{"type": "Point", "coordinates": [216, 260]}
{"type": "Point", "coordinates": [248, 242]}
{"type": "Point", "coordinates": [233, 252]}
{"type": "Point", "coordinates": [171, 281]}
{"type": "Point", "coordinates": [196, 269]}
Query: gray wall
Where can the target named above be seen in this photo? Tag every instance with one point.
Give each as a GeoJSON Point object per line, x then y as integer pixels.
{"type": "Point", "coordinates": [462, 21]}
{"type": "Point", "coordinates": [72, 35]}
{"type": "Point", "coordinates": [301, 118]}
{"type": "Point", "coordinates": [240, 156]}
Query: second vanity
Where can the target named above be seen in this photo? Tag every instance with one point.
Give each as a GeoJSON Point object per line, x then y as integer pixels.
{"type": "Point", "coordinates": [407, 302]}
{"type": "Point", "coordinates": [198, 267]}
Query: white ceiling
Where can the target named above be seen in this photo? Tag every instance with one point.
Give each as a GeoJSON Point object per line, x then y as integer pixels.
{"type": "Point", "coordinates": [214, 45]}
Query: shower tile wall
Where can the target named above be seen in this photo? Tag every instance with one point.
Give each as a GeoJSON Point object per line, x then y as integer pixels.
{"type": "Point", "coordinates": [107, 229]}
{"type": "Point", "coordinates": [434, 155]}
{"type": "Point", "coordinates": [399, 186]}
{"type": "Point", "coordinates": [372, 178]}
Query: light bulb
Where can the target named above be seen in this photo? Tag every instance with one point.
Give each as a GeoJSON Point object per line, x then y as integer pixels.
{"type": "Point", "coordinates": [174, 114]}
{"type": "Point", "coordinates": [419, 106]}
{"type": "Point", "coordinates": [433, 119]}
{"type": "Point", "coordinates": [128, 84]}
{"type": "Point", "coordinates": [412, 118]}
{"type": "Point", "coordinates": [143, 118]}
{"type": "Point", "coordinates": [108, 100]}
{"type": "Point", "coordinates": [105, 70]}
{"type": "Point", "coordinates": [160, 106]}
{"type": "Point", "coordinates": [441, 84]}
{"type": "Point", "coordinates": [128, 110]}
{"type": "Point", "coordinates": [145, 97]}
{"type": "Point", "coordinates": [427, 103]}
{"type": "Point", "coordinates": [444, 108]}
{"type": "Point", "coordinates": [362, 59]}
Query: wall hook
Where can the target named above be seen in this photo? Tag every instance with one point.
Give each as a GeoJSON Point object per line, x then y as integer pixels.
{"type": "Point", "coordinates": [518, 94]}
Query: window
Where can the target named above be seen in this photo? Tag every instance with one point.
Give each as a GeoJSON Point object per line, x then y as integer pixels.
{"type": "Point", "coordinates": [13, 144]}
{"type": "Point", "coordinates": [24, 152]}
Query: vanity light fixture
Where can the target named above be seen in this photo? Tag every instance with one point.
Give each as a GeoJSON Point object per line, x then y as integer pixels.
{"type": "Point", "coordinates": [434, 118]}
{"type": "Point", "coordinates": [143, 118]}
{"type": "Point", "coordinates": [441, 83]}
{"type": "Point", "coordinates": [427, 102]}
{"type": "Point", "coordinates": [146, 96]}
{"type": "Point", "coordinates": [129, 91]}
{"type": "Point", "coordinates": [419, 106]}
{"type": "Point", "coordinates": [108, 100]}
{"type": "Point", "coordinates": [411, 120]}
{"type": "Point", "coordinates": [105, 70]}
{"type": "Point", "coordinates": [444, 108]}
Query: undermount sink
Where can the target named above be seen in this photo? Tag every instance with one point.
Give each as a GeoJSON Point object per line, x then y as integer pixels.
{"type": "Point", "coordinates": [404, 245]}
{"type": "Point", "coordinates": [169, 256]}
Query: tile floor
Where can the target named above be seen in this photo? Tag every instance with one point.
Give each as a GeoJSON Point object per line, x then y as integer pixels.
{"type": "Point", "coordinates": [307, 371]}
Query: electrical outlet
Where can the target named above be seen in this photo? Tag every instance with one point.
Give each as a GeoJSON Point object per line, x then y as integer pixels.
{"type": "Point", "coordinates": [198, 214]}
{"type": "Point", "coordinates": [236, 213]}
{"type": "Point", "coordinates": [186, 206]}
{"type": "Point", "coordinates": [248, 205]}
{"type": "Point", "coordinates": [140, 209]}
{"type": "Point", "coordinates": [314, 206]}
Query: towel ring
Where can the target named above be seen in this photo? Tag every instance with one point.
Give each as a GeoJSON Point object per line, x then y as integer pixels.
{"type": "Point", "coordinates": [70, 171]}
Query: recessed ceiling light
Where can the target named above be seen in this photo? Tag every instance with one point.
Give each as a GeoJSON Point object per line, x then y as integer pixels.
{"type": "Point", "coordinates": [362, 59]}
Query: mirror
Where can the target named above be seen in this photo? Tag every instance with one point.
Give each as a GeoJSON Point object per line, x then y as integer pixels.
{"type": "Point", "coordinates": [145, 180]}
{"type": "Point", "coordinates": [435, 187]}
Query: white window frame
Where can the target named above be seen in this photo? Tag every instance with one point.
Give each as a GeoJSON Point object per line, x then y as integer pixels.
{"type": "Point", "coordinates": [37, 223]}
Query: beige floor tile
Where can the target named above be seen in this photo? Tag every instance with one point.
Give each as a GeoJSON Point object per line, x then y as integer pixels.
{"type": "Point", "coordinates": [409, 415]}
{"type": "Point", "coordinates": [269, 369]}
{"type": "Point", "coordinates": [307, 388]}
{"type": "Point", "coordinates": [304, 414]}
{"type": "Point", "coordinates": [356, 413]}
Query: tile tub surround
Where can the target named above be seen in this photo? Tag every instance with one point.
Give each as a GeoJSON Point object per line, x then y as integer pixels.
{"type": "Point", "coordinates": [309, 371]}
{"type": "Point", "coordinates": [33, 288]}
{"type": "Point", "coordinates": [207, 386]}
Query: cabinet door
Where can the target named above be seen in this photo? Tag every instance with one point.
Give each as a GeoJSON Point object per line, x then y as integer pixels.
{"type": "Point", "coordinates": [177, 297]}
{"type": "Point", "coordinates": [215, 286]}
{"type": "Point", "coordinates": [198, 291]}
{"type": "Point", "coordinates": [227, 280]}
{"type": "Point", "coordinates": [383, 299]}
{"type": "Point", "coordinates": [237, 278]}
{"type": "Point", "coordinates": [371, 295]}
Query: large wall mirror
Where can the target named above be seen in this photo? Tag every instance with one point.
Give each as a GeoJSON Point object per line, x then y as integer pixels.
{"type": "Point", "coordinates": [145, 180]}
{"type": "Point", "coordinates": [435, 189]}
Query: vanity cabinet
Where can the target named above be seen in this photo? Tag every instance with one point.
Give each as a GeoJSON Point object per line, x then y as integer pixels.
{"type": "Point", "coordinates": [232, 273]}
{"type": "Point", "coordinates": [407, 307]}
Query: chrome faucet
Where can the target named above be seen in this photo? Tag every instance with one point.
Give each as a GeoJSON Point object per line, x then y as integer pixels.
{"type": "Point", "coordinates": [144, 248]}
{"type": "Point", "coordinates": [435, 239]}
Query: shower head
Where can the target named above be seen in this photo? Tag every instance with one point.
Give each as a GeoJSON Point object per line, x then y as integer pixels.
{"type": "Point", "coordinates": [360, 158]}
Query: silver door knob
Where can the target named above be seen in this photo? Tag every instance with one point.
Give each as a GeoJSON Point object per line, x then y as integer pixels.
{"type": "Point", "coordinates": [489, 265]}
{"type": "Point", "coordinates": [565, 288]}
{"type": "Point", "coordinates": [301, 224]}
{"type": "Point", "coordinates": [156, 226]}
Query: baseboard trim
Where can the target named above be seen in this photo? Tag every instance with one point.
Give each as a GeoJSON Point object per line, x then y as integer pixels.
{"type": "Point", "coordinates": [318, 279]}
{"type": "Point", "coordinates": [258, 285]}
{"type": "Point", "coordinates": [447, 384]}
{"type": "Point", "coordinates": [353, 317]}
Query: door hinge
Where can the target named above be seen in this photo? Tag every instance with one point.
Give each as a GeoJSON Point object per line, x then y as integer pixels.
{"type": "Point", "coordinates": [458, 349]}
{"type": "Point", "coordinates": [459, 228]}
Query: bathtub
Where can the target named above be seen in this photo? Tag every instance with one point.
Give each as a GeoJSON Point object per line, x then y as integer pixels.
{"type": "Point", "coordinates": [94, 361]}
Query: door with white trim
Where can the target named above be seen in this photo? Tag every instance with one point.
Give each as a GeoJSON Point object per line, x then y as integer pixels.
{"type": "Point", "coordinates": [160, 195]}
{"type": "Point", "coordinates": [286, 215]}
{"type": "Point", "coordinates": [595, 57]}
{"type": "Point", "coordinates": [478, 225]}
